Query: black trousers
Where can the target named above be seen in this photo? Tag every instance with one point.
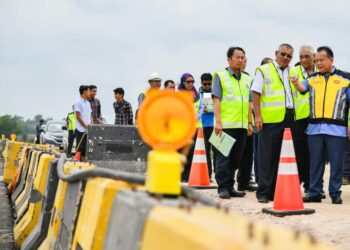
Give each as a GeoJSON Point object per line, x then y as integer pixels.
{"type": "Point", "coordinates": [226, 166]}
{"type": "Point", "coordinates": [270, 143]}
{"type": "Point", "coordinates": [245, 168]}
{"type": "Point", "coordinates": [346, 169]}
{"type": "Point", "coordinates": [81, 142]}
{"type": "Point", "coordinates": [187, 168]}
{"type": "Point", "coordinates": [207, 131]}
{"type": "Point", "coordinates": [71, 137]}
{"type": "Point", "coordinates": [256, 161]}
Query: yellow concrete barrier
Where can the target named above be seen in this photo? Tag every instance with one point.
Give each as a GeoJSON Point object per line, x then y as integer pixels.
{"type": "Point", "coordinates": [32, 206]}
{"type": "Point", "coordinates": [209, 228]}
{"type": "Point", "coordinates": [11, 159]}
{"type": "Point", "coordinates": [58, 208]}
{"type": "Point", "coordinates": [93, 220]}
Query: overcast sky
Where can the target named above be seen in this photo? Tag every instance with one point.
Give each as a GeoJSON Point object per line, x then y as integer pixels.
{"type": "Point", "coordinates": [50, 47]}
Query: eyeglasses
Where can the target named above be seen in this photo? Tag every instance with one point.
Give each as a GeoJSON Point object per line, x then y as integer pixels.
{"type": "Point", "coordinates": [189, 81]}
{"type": "Point", "coordinates": [206, 84]}
{"type": "Point", "coordinates": [283, 54]}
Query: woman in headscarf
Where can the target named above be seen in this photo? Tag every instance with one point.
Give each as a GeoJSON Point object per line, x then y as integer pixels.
{"type": "Point", "coordinates": [187, 84]}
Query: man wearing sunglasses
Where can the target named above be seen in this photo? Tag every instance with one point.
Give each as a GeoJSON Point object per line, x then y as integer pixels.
{"type": "Point", "coordinates": [274, 101]}
{"type": "Point", "coordinates": [207, 117]}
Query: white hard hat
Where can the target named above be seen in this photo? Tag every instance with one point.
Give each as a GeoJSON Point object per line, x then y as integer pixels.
{"type": "Point", "coordinates": [154, 76]}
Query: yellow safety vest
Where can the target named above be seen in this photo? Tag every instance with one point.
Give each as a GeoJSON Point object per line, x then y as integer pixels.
{"type": "Point", "coordinates": [71, 121]}
{"type": "Point", "coordinates": [273, 96]}
{"type": "Point", "coordinates": [196, 109]}
{"type": "Point", "coordinates": [328, 100]}
{"type": "Point", "coordinates": [234, 104]}
{"type": "Point", "coordinates": [302, 106]}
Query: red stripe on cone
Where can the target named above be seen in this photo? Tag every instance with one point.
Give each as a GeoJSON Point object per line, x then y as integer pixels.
{"type": "Point", "coordinates": [288, 160]}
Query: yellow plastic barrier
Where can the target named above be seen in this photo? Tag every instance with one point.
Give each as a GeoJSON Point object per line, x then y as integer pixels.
{"type": "Point", "coordinates": [209, 228]}
{"type": "Point", "coordinates": [26, 224]}
{"type": "Point", "coordinates": [56, 216]}
{"type": "Point", "coordinates": [93, 219]}
{"type": "Point", "coordinates": [12, 153]}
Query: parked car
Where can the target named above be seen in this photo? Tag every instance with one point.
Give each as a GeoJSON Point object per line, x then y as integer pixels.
{"type": "Point", "coordinates": [53, 133]}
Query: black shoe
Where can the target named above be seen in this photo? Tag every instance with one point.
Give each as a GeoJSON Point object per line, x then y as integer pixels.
{"type": "Point", "coordinates": [250, 188]}
{"type": "Point", "coordinates": [337, 200]}
{"type": "Point", "coordinates": [234, 193]}
{"type": "Point", "coordinates": [307, 199]}
{"type": "Point", "coordinates": [224, 194]}
{"type": "Point", "coordinates": [263, 200]}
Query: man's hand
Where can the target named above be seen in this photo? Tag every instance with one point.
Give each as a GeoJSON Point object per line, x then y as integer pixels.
{"type": "Point", "coordinates": [250, 129]}
{"type": "Point", "coordinates": [294, 79]}
{"type": "Point", "coordinates": [218, 128]}
{"type": "Point", "coordinates": [349, 133]}
{"type": "Point", "coordinates": [258, 122]}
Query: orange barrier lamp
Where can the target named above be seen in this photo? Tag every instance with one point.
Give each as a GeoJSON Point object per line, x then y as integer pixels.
{"type": "Point", "coordinates": [166, 122]}
{"type": "Point", "coordinates": [288, 199]}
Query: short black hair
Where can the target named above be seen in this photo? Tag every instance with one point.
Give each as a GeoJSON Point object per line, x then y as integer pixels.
{"type": "Point", "coordinates": [232, 50]}
{"type": "Point", "coordinates": [206, 77]}
{"type": "Point", "coordinates": [92, 87]}
{"type": "Point", "coordinates": [166, 83]}
{"type": "Point", "coordinates": [265, 60]}
{"type": "Point", "coordinates": [83, 88]}
{"type": "Point", "coordinates": [327, 49]}
{"type": "Point", "coordinates": [119, 91]}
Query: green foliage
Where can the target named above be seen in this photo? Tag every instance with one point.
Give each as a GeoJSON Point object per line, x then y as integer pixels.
{"type": "Point", "coordinates": [24, 129]}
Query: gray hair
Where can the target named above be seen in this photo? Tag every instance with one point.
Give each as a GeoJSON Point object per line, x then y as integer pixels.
{"type": "Point", "coordinates": [307, 47]}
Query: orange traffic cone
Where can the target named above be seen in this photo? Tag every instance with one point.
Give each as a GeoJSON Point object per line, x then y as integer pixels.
{"type": "Point", "coordinates": [199, 176]}
{"type": "Point", "coordinates": [288, 199]}
{"type": "Point", "coordinates": [77, 156]}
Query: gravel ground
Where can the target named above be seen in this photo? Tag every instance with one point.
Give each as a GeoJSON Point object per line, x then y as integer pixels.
{"type": "Point", "coordinates": [330, 223]}
{"type": "Point", "coordinates": [6, 218]}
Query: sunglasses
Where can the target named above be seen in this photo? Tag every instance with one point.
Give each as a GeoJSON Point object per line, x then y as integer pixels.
{"type": "Point", "coordinates": [189, 81]}
{"type": "Point", "coordinates": [206, 84]}
{"type": "Point", "coordinates": [286, 55]}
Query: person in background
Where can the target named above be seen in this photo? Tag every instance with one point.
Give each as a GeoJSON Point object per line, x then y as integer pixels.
{"type": "Point", "coordinates": [328, 124]}
{"type": "Point", "coordinates": [187, 84]}
{"type": "Point", "coordinates": [266, 60]}
{"type": "Point", "coordinates": [169, 84]}
{"type": "Point", "coordinates": [122, 109]}
{"type": "Point", "coordinates": [304, 70]}
{"type": "Point", "coordinates": [230, 95]}
{"type": "Point", "coordinates": [38, 130]}
{"type": "Point", "coordinates": [207, 119]}
{"type": "Point", "coordinates": [70, 120]}
{"type": "Point", "coordinates": [82, 111]}
{"type": "Point", "coordinates": [155, 83]}
{"type": "Point", "coordinates": [274, 109]}
{"type": "Point", "coordinates": [95, 106]}
{"type": "Point", "coordinates": [244, 174]}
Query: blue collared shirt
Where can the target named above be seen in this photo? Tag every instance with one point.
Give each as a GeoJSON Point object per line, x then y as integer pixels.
{"type": "Point", "coordinates": [325, 128]}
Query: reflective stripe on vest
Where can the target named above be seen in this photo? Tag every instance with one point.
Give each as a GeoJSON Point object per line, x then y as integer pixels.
{"type": "Point", "coordinates": [234, 103]}
{"type": "Point", "coordinates": [302, 105]}
{"type": "Point", "coordinates": [328, 101]}
{"type": "Point", "coordinates": [273, 97]}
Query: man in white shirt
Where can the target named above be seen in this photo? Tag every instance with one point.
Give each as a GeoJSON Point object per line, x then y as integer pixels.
{"type": "Point", "coordinates": [274, 110]}
{"type": "Point", "coordinates": [82, 111]}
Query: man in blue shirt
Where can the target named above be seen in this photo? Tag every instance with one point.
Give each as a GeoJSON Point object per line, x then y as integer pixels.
{"type": "Point", "coordinates": [207, 118]}
{"type": "Point", "coordinates": [328, 131]}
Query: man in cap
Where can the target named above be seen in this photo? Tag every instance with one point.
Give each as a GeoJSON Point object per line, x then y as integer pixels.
{"type": "Point", "coordinates": [154, 81]}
